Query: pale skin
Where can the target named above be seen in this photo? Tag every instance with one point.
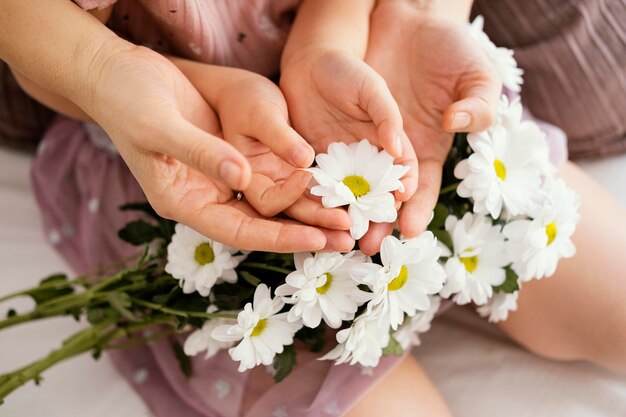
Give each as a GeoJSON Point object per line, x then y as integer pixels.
{"type": "Point", "coordinates": [577, 314]}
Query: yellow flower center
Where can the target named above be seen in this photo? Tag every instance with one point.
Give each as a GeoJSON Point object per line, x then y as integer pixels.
{"type": "Point", "coordinates": [260, 326]}
{"type": "Point", "coordinates": [551, 231]}
{"type": "Point", "coordinates": [500, 169]}
{"type": "Point", "coordinates": [357, 184]}
{"type": "Point", "coordinates": [470, 263]}
{"type": "Point", "coordinates": [399, 281]}
{"type": "Point", "coordinates": [324, 288]}
{"type": "Point", "coordinates": [204, 253]}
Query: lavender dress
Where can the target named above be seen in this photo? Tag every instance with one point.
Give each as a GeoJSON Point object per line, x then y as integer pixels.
{"type": "Point", "coordinates": [80, 181]}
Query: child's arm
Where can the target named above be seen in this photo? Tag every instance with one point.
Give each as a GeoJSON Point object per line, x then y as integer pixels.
{"type": "Point", "coordinates": [329, 24]}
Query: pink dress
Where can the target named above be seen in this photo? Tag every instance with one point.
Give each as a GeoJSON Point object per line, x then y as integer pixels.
{"type": "Point", "coordinates": [80, 181]}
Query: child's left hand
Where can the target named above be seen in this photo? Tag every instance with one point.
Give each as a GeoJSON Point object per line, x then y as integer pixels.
{"type": "Point", "coordinates": [333, 96]}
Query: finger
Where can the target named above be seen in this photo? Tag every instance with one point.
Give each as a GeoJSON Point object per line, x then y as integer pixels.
{"type": "Point", "coordinates": [272, 129]}
{"type": "Point", "coordinates": [314, 213]}
{"type": "Point", "coordinates": [411, 178]}
{"type": "Point", "coordinates": [415, 214]}
{"type": "Point", "coordinates": [370, 242]}
{"type": "Point", "coordinates": [214, 157]}
{"type": "Point", "coordinates": [269, 198]}
{"type": "Point", "coordinates": [237, 226]}
{"type": "Point", "coordinates": [338, 241]}
{"type": "Point", "coordinates": [476, 108]}
{"type": "Point", "coordinates": [380, 105]}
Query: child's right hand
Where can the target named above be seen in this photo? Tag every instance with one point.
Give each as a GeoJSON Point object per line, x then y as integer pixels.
{"type": "Point", "coordinates": [254, 118]}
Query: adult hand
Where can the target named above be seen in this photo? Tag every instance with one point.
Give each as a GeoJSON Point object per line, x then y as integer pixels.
{"type": "Point", "coordinates": [443, 83]}
{"type": "Point", "coordinates": [168, 135]}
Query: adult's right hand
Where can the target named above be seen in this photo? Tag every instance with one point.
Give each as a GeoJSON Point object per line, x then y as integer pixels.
{"type": "Point", "coordinates": [169, 137]}
{"type": "Point", "coordinates": [443, 83]}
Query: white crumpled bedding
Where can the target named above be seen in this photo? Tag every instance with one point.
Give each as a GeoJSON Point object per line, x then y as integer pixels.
{"type": "Point", "coordinates": [480, 372]}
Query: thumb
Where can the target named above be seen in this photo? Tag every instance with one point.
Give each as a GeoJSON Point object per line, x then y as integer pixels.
{"type": "Point", "coordinates": [377, 101]}
{"type": "Point", "coordinates": [476, 108]}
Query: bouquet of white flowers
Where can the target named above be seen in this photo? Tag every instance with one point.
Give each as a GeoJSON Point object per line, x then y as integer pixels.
{"type": "Point", "coordinates": [501, 220]}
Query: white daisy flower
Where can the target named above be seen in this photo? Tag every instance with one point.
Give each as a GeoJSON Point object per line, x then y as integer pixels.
{"type": "Point", "coordinates": [363, 342]}
{"type": "Point", "coordinates": [537, 245]}
{"type": "Point", "coordinates": [501, 58]}
{"type": "Point", "coordinates": [321, 288]}
{"type": "Point", "coordinates": [410, 272]}
{"type": "Point", "coordinates": [360, 176]}
{"type": "Point", "coordinates": [498, 307]}
{"type": "Point", "coordinates": [201, 339]}
{"type": "Point", "coordinates": [261, 330]}
{"type": "Point", "coordinates": [506, 166]}
{"type": "Point", "coordinates": [477, 260]}
{"type": "Point", "coordinates": [408, 334]}
{"type": "Point", "coordinates": [199, 262]}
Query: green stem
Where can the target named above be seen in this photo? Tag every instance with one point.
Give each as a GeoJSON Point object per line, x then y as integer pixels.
{"type": "Point", "coordinates": [181, 313]}
{"type": "Point", "coordinates": [81, 342]}
{"type": "Point", "coordinates": [449, 188]}
{"type": "Point", "coordinates": [20, 318]}
{"type": "Point", "coordinates": [140, 341]}
{"type": "Point", "coordinates": [75, 345]}
{"type": "Point", "coordinates": [258, 265]}
{"type": "Point", "coordinates": [51, 285]}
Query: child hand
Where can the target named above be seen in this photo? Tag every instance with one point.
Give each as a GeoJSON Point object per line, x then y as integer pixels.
{"type": "Point", "coordinates": [333, 95]}
{"type": "Point", "coordinates": [442, 82]}
{"type": "Point", "coordinates": [253, 116]}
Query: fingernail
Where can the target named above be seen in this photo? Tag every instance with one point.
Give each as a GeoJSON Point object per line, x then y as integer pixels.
{"type": "Point", "coordinates": [301, 156]}
{"type": "Point", "coordinates": [397, 145]}
{"type": "Point", "coordinates": [461, 120]}
{"type": "Point", "coordinates": [230, 174]}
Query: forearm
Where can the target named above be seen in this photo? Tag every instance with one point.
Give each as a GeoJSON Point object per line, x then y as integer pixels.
{"type": "Point", "coordinates": [339, 24]}
{"type": "Point", "coordinates": [53, 101]}
{"type": "Point", "coordinates": [51, 46]}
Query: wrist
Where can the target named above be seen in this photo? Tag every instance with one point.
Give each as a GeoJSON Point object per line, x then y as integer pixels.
{"type": "Point", "coordinates": [308, 53]}
{"type": "Point", "coordinates": [455, 11]}
{"type": "Point", "coordinates": [90, 61]}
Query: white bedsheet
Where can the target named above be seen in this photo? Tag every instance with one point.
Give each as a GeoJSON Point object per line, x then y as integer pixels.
{"type": "Point", "coordinates": [480, 372]}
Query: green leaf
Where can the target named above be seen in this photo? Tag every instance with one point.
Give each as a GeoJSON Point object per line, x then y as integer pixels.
{"type": "Point", "coordinates": [250, 279]}
{"type": "Point", "coordinates": [439, 218]}
{"type": "Point", "coordinates": [313, 338]}
{"type": "Point", "coordinates": [510, 284]}
{"type": "Point", "coordinates": [121, 303]}
{"type": "Point", "coordinates": [393, 348]}
{"type": "Point", "coordinates": [138, 233]}
{"type": "Point", "coordinates": [100, 314]}
{"type": "Point", "coordinates": [143, 207]}
{"type": "Point", "coordinates": [443, 237]}
{"type": "Point", "coordinates": [11, 313]}
{"type": "Point", "coordinates": [96, 353]}
{"type": "Point", "coordinates": [284, 363]}
{"type": "Point", "coordinates": [55, 286]}
{"type": "Point", "coordinates": [183, 360]}
{"type": "Point", "coordinates": [231, 296]}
